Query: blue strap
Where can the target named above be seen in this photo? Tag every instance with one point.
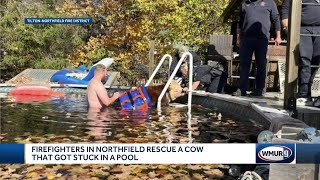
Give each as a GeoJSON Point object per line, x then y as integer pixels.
{"type": "Point", "coordinates": [131, 99]}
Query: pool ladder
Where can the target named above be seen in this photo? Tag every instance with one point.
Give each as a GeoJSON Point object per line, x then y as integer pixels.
{"type": "Point", "coordinates": [183, 57]}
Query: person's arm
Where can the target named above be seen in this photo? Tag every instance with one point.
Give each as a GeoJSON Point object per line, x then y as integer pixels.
{"type": "Point", "coordinates": [103, 95]}
{"type": "Point", "coordinates": [196, 59]}
{"type": "Point", "coordinates": [284, 23]}
{"type": "Point", "coordinates": [276, 20]}
{"type": "Point", "coordinates": [285, 10]}
{"type": "Point", "coordinates": [194, 86]}
{"type": "Point", "coordinates": [239, 26]}
{"type": "Point", "coordinates": [174, 64]}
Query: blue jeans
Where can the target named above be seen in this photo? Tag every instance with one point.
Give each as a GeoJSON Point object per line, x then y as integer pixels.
{"type": "Point", "coordinates": [258, 46]}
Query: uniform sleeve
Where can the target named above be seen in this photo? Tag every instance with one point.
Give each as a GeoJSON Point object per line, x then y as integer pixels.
{"type": "Point", "coordinates": [275, 16]}
{"type": "Point", "coordinates": [202, 74]}
{"type": "Point", "coordinates": [173, 66]}
{"type": "Point", "coordinates": [196, 60]}
{"type": "Point", "coordinates": [241, 17]}
{"type": "Point", "coordinates": [285, 9]}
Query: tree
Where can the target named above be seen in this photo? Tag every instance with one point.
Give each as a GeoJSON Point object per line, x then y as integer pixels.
{"type": "Point", "coordinates": [35, 46]}
{"type": "Point", "coordinates": [124, 28]}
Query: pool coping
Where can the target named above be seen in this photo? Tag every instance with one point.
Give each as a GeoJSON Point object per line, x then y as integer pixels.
{"type": "Point", "coordinates": [253, 109]}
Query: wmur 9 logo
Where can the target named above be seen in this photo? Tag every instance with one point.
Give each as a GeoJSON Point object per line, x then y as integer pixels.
{"type": "Point", "coordinates": [275, 153]}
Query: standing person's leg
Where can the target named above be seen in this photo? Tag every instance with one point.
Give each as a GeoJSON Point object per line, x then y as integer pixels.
{"type": "Point", "coordinates": [316, 56]}
{"type": "Point", "coordinates": [246, 52]}
{"type": "Point", "coordinates": [261, 61]}
{"type": "Point", "coordinates": [304, 74]}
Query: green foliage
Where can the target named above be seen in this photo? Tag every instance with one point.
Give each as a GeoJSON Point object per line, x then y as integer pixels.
{"type": "Point", "coordinates": [126, 27]}
{"type": "Point", "coordinates": [35, 46]}
{"type": "Point", "coordinates": [120, 29]}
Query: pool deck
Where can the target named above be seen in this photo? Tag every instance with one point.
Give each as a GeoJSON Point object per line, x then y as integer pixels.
{"type": "Point", "coordinates": [42, 76]}
{"type": "Point", "coordinates": [310, 115]}
{"type": "Point", "coordinates": [275, 99]}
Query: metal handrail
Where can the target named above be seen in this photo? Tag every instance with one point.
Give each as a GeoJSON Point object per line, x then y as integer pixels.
{"type": "Point", "coordinates": [158, 67]}
{"type": "Point", "coordinates": [311, 4]}
{"type": "Point", "coordinates": [312, 35]}
{"type": "Point", "coordinates": [172, 76]}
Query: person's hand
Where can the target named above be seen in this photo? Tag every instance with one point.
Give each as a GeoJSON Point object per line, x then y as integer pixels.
{"type": "Point", "coordinates": [238, 42]}
{"type": "Point", "coordinates": [116, 95]}
{"type": "Point", "coordinates": [122, 93]}
{"type": "Point", "coordinates": [185, 89]}
{"type": "Point", "coordinates": [278, 41]}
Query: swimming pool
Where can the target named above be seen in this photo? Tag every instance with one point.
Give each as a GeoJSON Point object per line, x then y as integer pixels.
{"type": "Point", "coordinates": [67, 120]}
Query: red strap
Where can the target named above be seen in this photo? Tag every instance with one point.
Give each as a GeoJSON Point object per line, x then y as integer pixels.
{"type": "Point", "coordinates": [125, 101]}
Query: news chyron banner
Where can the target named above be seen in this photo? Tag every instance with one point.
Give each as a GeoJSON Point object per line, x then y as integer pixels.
{"type": "Point", "coordinates": [159, 153]}
{"type": "Point", "coordinates": [127, 153]}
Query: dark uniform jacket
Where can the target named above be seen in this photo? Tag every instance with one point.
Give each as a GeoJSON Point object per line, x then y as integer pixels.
{"type": "Point", "coordinates": [310, 14]}
{"type": "Point", "coordinates": [255, 18]}
{"type": "Point", "coordinates": [196, 63]}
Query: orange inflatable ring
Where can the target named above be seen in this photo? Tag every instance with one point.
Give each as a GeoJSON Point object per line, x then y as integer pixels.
{"type": "Point", "coordinates": [27, 93]}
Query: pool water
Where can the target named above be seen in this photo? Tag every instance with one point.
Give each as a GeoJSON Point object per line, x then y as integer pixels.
{"type": "Point", "coordinates": [68, 121]}
{"type": "Point", "coordinates": [69, 117]}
